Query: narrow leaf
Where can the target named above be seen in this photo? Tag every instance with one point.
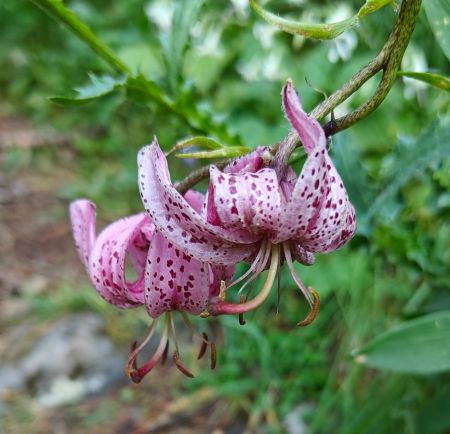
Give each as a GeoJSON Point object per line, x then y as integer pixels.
{"type": "Point", "coordinates": [419, 346]}
{"type": "Point", "coordinates": [199, 141]}
{"type": "Point", "coordinates": [319, 31]}
{"type": "Point", "coordinates": [438, 14]}
{"type": "Point", "coordinates": [227, 152]}
{"type": "Point", "coordinates": [62, 14]}
{"type": "Point", "coordinates": [435, 80]}
{"type": "Point", "coordinates": [175, 43]}
{"type": "Point", "coordinates": [98, 88]}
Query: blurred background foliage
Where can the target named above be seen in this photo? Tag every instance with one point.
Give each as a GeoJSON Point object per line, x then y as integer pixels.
{"type": "Point", "coordinates": [222, 71]}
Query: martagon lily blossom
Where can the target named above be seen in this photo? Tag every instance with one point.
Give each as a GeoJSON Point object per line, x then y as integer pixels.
{"type": "Point", "coordinates": [250, 214]}
{"type": "Point", "coordinates": [167, 279]}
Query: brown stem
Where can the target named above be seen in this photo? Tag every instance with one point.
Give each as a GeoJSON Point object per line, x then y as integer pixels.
{"type": "Point", "coordinates": [388, 60]}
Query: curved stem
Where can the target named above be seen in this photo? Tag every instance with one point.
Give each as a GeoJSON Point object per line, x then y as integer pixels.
{"type": "Point", "coordinates": [388, 60]}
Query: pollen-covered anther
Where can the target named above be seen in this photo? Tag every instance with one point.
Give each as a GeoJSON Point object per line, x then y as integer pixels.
{"type": "Point", "coordinates": [180, 366]}
{"type": "Point", "coordinates": [315, 307]}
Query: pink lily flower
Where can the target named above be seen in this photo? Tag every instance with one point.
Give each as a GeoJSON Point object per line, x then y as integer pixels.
{"type": "Point", "coordinates": [252, 215]}
{"type": "Point", "coordinates": [167, 279]}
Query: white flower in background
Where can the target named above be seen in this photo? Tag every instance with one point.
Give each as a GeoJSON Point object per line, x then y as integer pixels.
{"type": "Point", "coordinates": [160, 12]}
{"type": "Point", "coordinates": [271, 67]}
{"type": "Point", "coordinates": [208, 43]}
{"type": "Point", "coordinates": [343, 46]}
{"type": "Point", "coordinates": [414, 60]}
{"type": "Point", "coordinates": [264, 33]}
{"type": "Point", "coordinates": [268, 68]}
{"type": "Point", "coordinates": [249, 70]}
{"type": "Point", "coordinates": [241, 7]}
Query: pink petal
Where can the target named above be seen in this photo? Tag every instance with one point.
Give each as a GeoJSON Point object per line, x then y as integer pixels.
{"type": "Point", "coordinates": [309, 130]}
{"type": "Point", "coordinates": [319, 215]}
{"type": "Point", "coordinates": [178, 221]}
{"type": "Point", "coordinates": [174, 280]}
{"type": "Point", "coordinates": [248, 201]}
{"type": "Point", "coordinates": [82, 216]}
{"type": "Point", "coordinates": [251, 162]}
{"type": "Point", "coordinates": [107, 262]}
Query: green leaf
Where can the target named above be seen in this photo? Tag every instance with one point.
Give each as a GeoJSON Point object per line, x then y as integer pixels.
{"type": "Point", "coordinates": [419, 346]}
{"type": "Point", "coordinates": [175, 43]}
{"type": "Point", "coordinates": [435, 80]}
{"type": "Point", "coordinates": [200, 141]}
{"type": "Point", "coordinates": [227, 152]}
{"type": "Point", "coordinates": [98, 88]}
{"type": "Point", "coordinates": [143, 90]}
{"type": "Point", "coordinates": [62, 14]}
{"type": "Point", "coordinates": [438, 14]}
{"type": "Point", "coordinates": [319, 31]}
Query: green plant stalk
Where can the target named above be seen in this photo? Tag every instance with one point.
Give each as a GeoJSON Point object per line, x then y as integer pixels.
{"type": "Point", "coordinates": [388, 60]}
{"type": "Point", "coordinates": [57, 10]}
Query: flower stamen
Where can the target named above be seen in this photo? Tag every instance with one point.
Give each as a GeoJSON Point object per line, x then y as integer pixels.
{"type": "Point", "coordinates": [314, 309]}
{"type": "Point", "coordinates": [237, 308]}
{"type": "Point", "coordinates": [137, 374]}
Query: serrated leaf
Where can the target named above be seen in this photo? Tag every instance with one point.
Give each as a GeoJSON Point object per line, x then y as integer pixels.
{"type": "Point", "coordinates": [97, 88]}
{"type": "Point", "coordinates": [438, 14]}
{"type": "Point", "coordinates": [227, 152]}
{"type": "Point", "coordinates": [419, 346]}
{"type": "Point", "coordinates": [435, 80]}
{"type": "Point", "coordinates": [319, 31]}
{"type": "Point", "coordinates": [62, 14]}
{"type": "Point", "coordinates": [199, 141]}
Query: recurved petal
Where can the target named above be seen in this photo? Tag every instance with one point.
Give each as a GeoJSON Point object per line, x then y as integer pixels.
{"type": "Point", "coordinates": [319, 215]}
{"type": "Point", "coordinates": [178, 221]}
{"type": "Point", "coordinates": [174, 280]}
{"type": "Point", "coordinates": [248, 201]}
{"type": "Point", "coordinates": [82, 217]}
{"type": "Point", "coordinates": [309, 130]}
{"type": "Point", "coordinates": [128, 236]}
{"type": "Point", "coordinates": [251, 162]}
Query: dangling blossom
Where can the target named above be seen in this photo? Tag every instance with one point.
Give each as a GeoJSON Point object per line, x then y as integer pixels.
{"type": "Point", "coordinates": [252, 215]}
{"type": "Point", "coordinates": [168, 279]}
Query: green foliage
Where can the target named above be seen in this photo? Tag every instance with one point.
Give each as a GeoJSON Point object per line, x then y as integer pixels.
{"type": "Point", "coordinates": [438, 13]}
{"type": "Point", "coordinates": [434, 79]}
{"type": "Point", "coordinates": [319, 31]}
{"type": "Point", "coordinates": [417, 346]}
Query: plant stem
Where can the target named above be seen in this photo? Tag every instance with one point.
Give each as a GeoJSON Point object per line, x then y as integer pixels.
{"type": "Point", "coordinates": [388, 60]}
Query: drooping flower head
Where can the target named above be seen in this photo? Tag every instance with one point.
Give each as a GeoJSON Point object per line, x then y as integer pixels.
{"type": "Point", "coordinates": [168, 279]}
{"type": "Point", "coordinates": [250, 214]}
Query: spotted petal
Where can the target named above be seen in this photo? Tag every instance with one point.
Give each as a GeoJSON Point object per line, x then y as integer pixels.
{"type": "Point", "coordinates": [178, 221]}
{"type": "Point", "coordinates": [318, 214]}
{"type": "Point", "coordinates": [309, 130]}
{"type": "Point", "coordinates": [82, 216]}
{"type": "Point", "coordinates": [251, 162]}
{"type": "Point", "coordinates": [248, 201]}
{"type": "Point", "coordinates": [174, 280]}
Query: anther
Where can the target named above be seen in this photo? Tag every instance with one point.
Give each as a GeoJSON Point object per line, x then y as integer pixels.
{"type": "Point", "coordinates": [213, 355]}
{"type": "Point", "coordinates": [314, 309]}
{"type": "Point", "coordinates": [180, 366]}
{"type": "Point", "coordinates": [203, 346]}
